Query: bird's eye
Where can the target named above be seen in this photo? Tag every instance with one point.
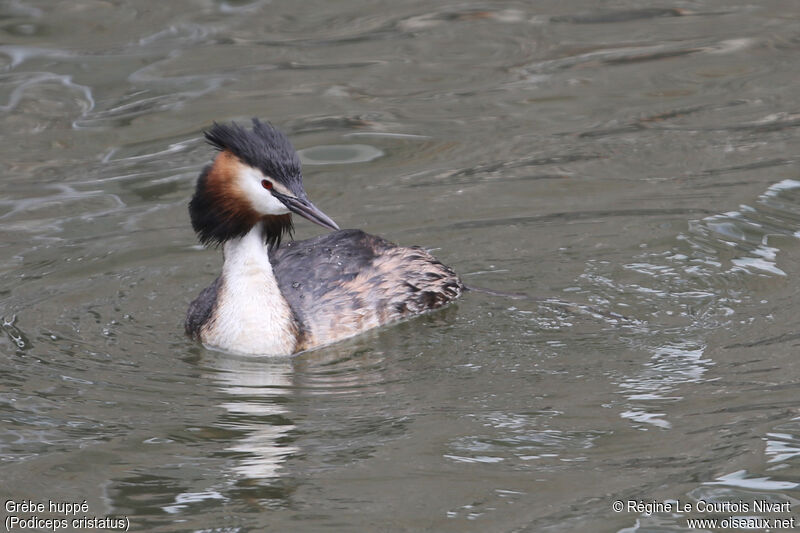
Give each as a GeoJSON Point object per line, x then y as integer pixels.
{"type": "Point", "coordinates": [266, 184]}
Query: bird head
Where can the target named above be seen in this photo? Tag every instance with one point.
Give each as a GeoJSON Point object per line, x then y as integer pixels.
{"type": "Point", "coordinates": [255, 178]}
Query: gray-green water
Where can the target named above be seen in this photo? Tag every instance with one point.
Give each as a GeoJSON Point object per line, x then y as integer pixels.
{"type": "Point", "coordinates": [640, 158]}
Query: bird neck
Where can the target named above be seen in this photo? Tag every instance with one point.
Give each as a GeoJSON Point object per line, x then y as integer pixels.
{"type": "Point", "coordinates": [247, 254]}
{"type": "Point", "coordinates": [252, 314]}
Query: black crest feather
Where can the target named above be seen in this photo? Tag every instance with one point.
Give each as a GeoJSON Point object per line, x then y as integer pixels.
{"type": "Point", "coordinates": [263, 147]}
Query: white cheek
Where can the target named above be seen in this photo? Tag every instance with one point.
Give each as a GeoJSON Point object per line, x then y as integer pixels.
{"type": "Point", "coordinates": [260, 198]}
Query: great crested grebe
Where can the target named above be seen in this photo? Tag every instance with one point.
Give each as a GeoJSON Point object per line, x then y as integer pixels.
{"type": "Point", "coordinates": [274, 299]}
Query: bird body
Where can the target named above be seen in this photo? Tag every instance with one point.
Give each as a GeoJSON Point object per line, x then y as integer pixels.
{"type": "Point", "coordinates": [280, 299]}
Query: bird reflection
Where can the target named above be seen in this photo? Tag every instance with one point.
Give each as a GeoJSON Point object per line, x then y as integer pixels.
{"type": "Point", "coordinates": [264, 397]}
{"type": "Point", "coordinates": [256, 391]}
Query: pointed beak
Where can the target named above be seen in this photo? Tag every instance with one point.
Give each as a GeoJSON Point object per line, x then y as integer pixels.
{"type": "Point", "coordinates": [304, 208]}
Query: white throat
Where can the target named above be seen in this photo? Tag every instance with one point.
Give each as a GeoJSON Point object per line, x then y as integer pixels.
{"type": "Point", "coordinates": [251, 316]}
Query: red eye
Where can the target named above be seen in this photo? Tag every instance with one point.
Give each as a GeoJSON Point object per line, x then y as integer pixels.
{"type": "Point", "coordinates": [266, 184]}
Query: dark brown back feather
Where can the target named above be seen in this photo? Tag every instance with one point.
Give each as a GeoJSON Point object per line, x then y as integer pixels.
{"type": "Point", "coordinates": [348, 281]}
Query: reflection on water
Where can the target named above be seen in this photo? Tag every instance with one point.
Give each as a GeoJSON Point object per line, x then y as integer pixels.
{"type": "Point", "coordinates": [749, 229]}
{"type": "Point", "coordinates": [259, 398]}
{"type": "Point", "coordinates": [339, 154]}
{"type": "Point", "coordinates": [632, 168]}
{"type": "Point", "coordinates": [742, 480]}
{"type": "Point", "coordinates": [256, 391]}
{"type": "Point", "coordinates": [782, 446]}
{"type": "Point", "coordinates": [735, 494]}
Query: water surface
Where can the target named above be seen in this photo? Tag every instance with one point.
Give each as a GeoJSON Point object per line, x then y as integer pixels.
{"type": "Point", "coordinates": [632, 167]}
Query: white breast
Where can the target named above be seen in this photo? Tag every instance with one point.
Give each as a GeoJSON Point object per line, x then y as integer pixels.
{"type": "Point", "coordinates": [251, 316]}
